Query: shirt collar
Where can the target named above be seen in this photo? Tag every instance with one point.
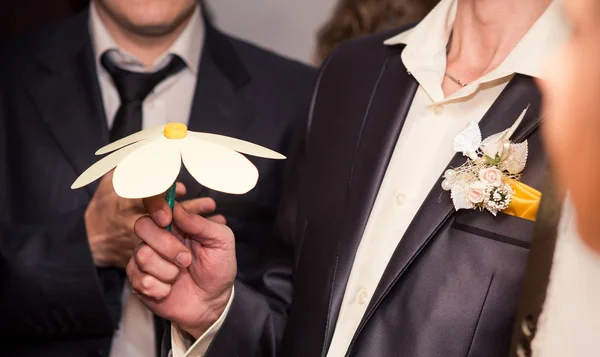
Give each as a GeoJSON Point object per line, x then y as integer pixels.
{"type": "Point", "coordinates": [425, 52]}
{"type": "Point", "coordinates": [188, 45]}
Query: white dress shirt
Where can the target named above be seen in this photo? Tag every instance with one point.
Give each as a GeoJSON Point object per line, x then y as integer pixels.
{"type": "Point", "coordinates": [135, 336]}
{"type": "Point", "coordinates": [424, 146]}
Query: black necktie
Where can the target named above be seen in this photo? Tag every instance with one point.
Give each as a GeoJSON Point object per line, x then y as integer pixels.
{"type": "Point", "coordinates": [133, 88]}
{"type": "Point", "coordinates": [535, 281]}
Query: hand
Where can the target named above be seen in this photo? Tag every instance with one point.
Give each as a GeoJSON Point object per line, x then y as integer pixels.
{"type": "Point", "coordinates": [109, 221]}
{"type": "Point", "coordinates": [185, 276]}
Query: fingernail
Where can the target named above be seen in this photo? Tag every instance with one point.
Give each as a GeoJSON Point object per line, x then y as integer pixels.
{"type": "Point", "coordinates": [183, 259]}
{"type": "Point", "coordinates": [160, 216]}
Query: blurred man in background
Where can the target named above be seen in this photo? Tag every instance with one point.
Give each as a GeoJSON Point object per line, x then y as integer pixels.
{"type": "Point", "coordinates": [118, 67]}
{"type": "Point", "coordinates": [574, 115]}
{"type": "Point", "coordinates": [569, 324]}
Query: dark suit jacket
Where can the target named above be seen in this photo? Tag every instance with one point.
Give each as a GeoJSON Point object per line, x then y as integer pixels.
{"type": "Point", "coordinates": [451, 287]}
{"type": "Point", "coordinates": [51, 122]}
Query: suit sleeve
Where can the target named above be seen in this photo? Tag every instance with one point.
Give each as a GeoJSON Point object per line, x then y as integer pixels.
{"type": "Point", "coordinates": [257, 316]}
{"type": "Point", "coordinates": [49, 287]}
{"type": "Point", "coordinates": [258, 312]}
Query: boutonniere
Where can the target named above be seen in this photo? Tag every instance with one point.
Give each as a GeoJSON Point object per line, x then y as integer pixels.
{"type": "Point", "coordinates": [487, 179]}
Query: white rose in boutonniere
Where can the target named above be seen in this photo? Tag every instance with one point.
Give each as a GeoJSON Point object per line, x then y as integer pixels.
{"type": "Point", "coordinates": [477, 192]}
{"type": "Point", "coordinates": [491, 176]}
{"type": "Point", "coordinates": [493, 149]}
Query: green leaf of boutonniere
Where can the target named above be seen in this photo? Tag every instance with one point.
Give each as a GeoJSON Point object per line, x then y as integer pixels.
{"type": "Point", "coordinates": [493, 162]}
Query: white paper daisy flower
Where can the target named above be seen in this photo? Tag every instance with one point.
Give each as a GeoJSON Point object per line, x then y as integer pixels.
{"type": "Point", "coordinates": [148, 162]}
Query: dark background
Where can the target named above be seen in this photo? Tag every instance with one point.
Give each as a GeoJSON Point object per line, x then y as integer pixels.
{"type": "Point", "coordinates": [21, 17]}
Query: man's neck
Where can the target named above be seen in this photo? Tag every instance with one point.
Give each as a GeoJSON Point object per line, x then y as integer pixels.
{"type": "Point", "coordinates": [147, 49]}
{"type": "Point", "coordinates": [486, 31]}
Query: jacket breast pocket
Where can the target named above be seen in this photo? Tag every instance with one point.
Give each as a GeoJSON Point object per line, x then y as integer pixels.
{"type": "Point", "coordinates": [501, 228]}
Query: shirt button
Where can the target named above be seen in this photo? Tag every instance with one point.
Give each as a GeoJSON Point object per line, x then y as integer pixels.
{"type": "Point", "coordinates": [438, 109]}
{"type": "Point", "coordinates": [400, 197]}
{"type": "Point", "coordinates": [362, 296]}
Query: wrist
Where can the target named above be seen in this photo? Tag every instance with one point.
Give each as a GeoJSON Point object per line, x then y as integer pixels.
{"type": "Point", "coordinates": [215, 309]}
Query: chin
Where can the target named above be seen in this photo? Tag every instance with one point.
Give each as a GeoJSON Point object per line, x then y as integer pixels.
{"type": "Point", "coordinates": [153, 29]}
{"type": "Point", "coordinates": [148, 18]}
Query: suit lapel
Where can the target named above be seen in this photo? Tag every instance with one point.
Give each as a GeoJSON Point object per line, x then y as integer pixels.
{"type": "Point", "coordinates": [220, 105]}
{"type": "Point", "coordinates": [68, 97]}
{"type": "Point", "coordinates": [437, 207]}
{"type": "Point", "coordinates": [390, 101]}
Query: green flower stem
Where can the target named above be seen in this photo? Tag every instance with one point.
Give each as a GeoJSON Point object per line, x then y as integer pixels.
{"type": "Point", "coordinates": [171, 200]}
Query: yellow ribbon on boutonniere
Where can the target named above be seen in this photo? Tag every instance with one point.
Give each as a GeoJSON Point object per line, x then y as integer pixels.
{"type": "Point", "coordinates": [525, 201]}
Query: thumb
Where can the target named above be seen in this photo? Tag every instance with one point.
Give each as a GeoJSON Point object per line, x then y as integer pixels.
{"type": "Point", "coordinates": [159, 210]}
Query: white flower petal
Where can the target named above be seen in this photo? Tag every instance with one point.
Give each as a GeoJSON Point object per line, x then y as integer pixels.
{"type": "Point", "coordinates": [149, 170]}
{"type": "Point", "coordinates": [139, 136]}
{"type": "Point", "coordinates": [245, 147]}
{"type": "Point", "coordinates": [459, 196]}
{"type": "Point", "coordinates": [492, 211]}
{"type": "Point", "coordinates": [468, 140]}
{"type": "Point", "coordinates": [493, 138]}
{"type": "Point", "coordinates": [105, 164]}
{"type": "Point", "coordinates": [217, 167]}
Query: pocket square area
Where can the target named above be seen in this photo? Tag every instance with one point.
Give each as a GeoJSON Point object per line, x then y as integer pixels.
{"type": "Point", "coordinates": [525, 202]}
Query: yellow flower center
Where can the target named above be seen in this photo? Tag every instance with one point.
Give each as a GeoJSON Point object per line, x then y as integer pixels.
{"type": "Point", "coordinates": [175, 131]}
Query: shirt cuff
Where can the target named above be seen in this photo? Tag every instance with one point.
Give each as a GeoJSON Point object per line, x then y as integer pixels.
{"type": "Point", "coordinates": [183, 345]}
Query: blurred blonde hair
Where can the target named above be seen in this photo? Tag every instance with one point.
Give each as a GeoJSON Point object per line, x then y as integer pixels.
{"type": "Point", "coordinates": [354, 18]}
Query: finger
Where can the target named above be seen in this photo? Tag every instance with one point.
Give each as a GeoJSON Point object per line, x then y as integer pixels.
{"type": "Point", "coordinates": [180, 189]}
{"type": "Point", "coordinates": [152, 263]}
{"type": "Point", "coordinates": [107, 178]}
{"type": "Point", "coordinates": [106, 186]}
{"type": "Point", "coordinates": [202, 206]}
{"type": "Point", "coordinates": [164, 243]}
{"type": "Point", "coordinates": [159, 210]}
{"type": "Point", "coordinates": [201, 229]}
{"type": "Point", "coordinates": [220, 219]}
{"type": "Point", "coordinates": [145, 285]}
